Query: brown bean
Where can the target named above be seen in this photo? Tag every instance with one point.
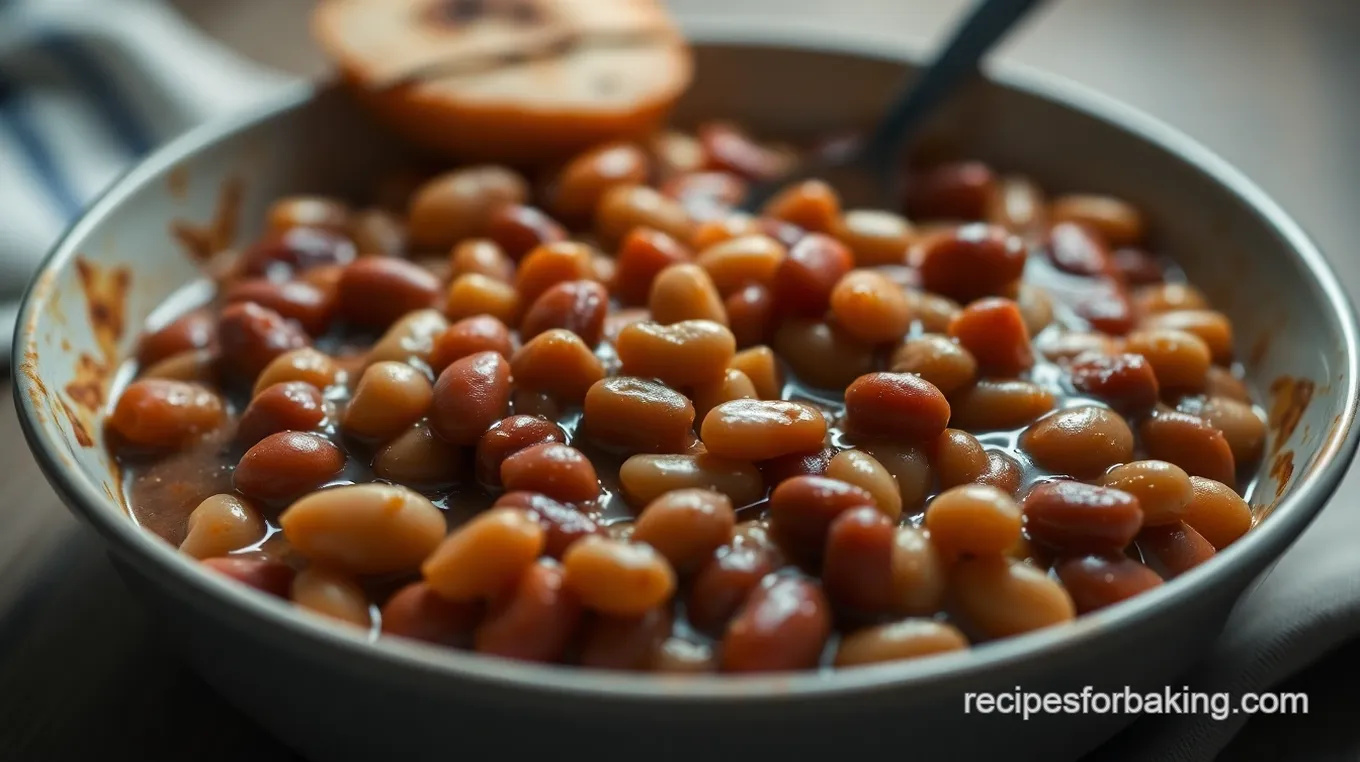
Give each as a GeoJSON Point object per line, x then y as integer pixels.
{"type": "Point", "coordinates": [588, 176]}
{"type": "Point", "coordinates": [875, 237]}
{"type": "Point", "coordinates": [375, 291]}
{"type": "Point", "coordinates": [618, 578]}
{"type": "Point", "coordinates": [364, 528]}
{"type": "Point", "coordinates": [280, 255]}
{"type": "Point", "coordinates": [221, 524]}
{"type": "Point", "coordinates": [864, 471]}
{"type": "Point", "coordinates": [725, 581]}
{"type": "Point", "coordinates": [822, 355]}
{"type": "Point", "coordinates": [685, 292]}
{"type": "Point", "coordinates": [870, 307]}
{"type": "Point", "coordinates": [1166, 297]}
{"type": "Point", "coordinates": [932, 311]}
{"type": "Point", "coordinates": [909, 466]}
{"type": "Point", "coordinates": [1068, 345]}
{"type": "Point", "coordinates": [474, 294]}
{"type": "Point", "coordinates": [550, 264]}
{"type": "Point", "coordinates": [1243, 429]}
{"type": "Point", "coordinates": [895, 406]}
{"type": "Point", "coordinates": [1137, 267]}
{"type": "Point", "coordinates": [994, 333]}
{"type": "Point", "coordinates": [1095, 582]}
{"type": "Point", "coordinates": [332, 595]}
{"type": "Point", "coordinates": [706, 195]}
{"type": "Point", "coordinates": [507, 437]}
{"type": "Point", "coordinates": [804, 280]}
{"type": "Point", "coordinates": [1106, 307]}
{"type": "Point", "coordinates": [762, 429]}
{"type": "Point", "coordinates": [802, 509]}
{"type": "Point", "coordinates": [196, 330]}
{"type": "Point", "coordinates": [955, 191]}
{"type": "Point", "coordinates": [813, 463]}
{"type": "Point", "coordinates": [1189, 442]}
{"type": "Point", "coordinates": [263, 574]}
{"type": "Point", "coordinates": [989, 405]}
{"type": "Point", "coordinates": [958, 458]}
{"type": "Point", "coordinates": [686, 526]}
{"type": "Point", "coordinates": [292, 405]}
{"type": "Point", "coordinates": [734, 385]}
{"type": "Point", "coordinates": [479, 256]}
{"type": "Point", "coordinates": [783, 626]}
{"type": "Point", "coordinates": [1213, 328]}
{"type": "Point", "coordinates": [563, 524]}
{"type": "Point", "coordinates": [417, 612]}
{"type": "Point", "coordinates": [973, 519]}
{"type": "Point", "coordinates": [1163, 489]}
{"type": "Point", "coordinates": [306, 365]}
{"type": "Point", "coordinates": [1036, 307]}
{"type": "Point", "coordinates": [1079, 441]}
{"type": "Point", "coordinates": [971, 262]}
{"type": "Point", "coordinates": [418, 458]}
{"type": "Point", "coordinates": [470, 395]}
{"type": "Point", "coordinates": [535, 620]}
{"type": "Point", "coordinates": [1126, 382]}
{"type": "Point", "coordinates": [308, 211]}
{"type": "Point", "coordinates": [1073, 517]}
{"type": "Point", "coordinates": [558, 363]}
{"type": "Point", "coordinates": [484, 557]}
{"type": "Point", "coordinates": [646, 477]}
{"type": "Point", "coordinates": [1117, 222]}
{"type": "Point", "coordinates": [390, 397]}
{"type": "Point", "coordinates": [479, 333]}
{"type": "Point", "coordinates": [623, 208]}
{"type": "Point", "coordinates": [710, 232]}
{"type": "Point", "coordinates": [519, 229]}
{"type": "Point", "coordinates": [287, 464]}
{"type": "Point", "coordinates": [638, 415]}
{"type": "Point", "coordinates": [1078, 249]}
{"type": "Point", "coordinates": [811, 205]}
{"type": "Point", "coordinates": [727, 148]}
{"type": "Point", "coordinates": [311, 307]}
{"type": "Point", "coordinates": [164, 413]}
{"type": "Point", "coordinates": [937, 359]}
{"type": "Point", "coordinates": [1173, 549]}
{"type": "Point", "coordinates": [457, 204]}
{"type": "Point", "coordinates": [1221, 382]}
{"type": "Point", "coordinates": [578, 306]}
{"type": "Point", "coordinates": [907, 639]}
{"type": "Point", "coordinates": [857, 564]}
{"type": "Point", "coordinates": [556, 470]}
{"type": "Point", "coordinates": [682, 354]}
{"type": "Point", "coordinates": [377, 232]}
{"type": "Point", "coordinates": [1003, 597]}
{"type": "Point", "coordinates": [642, 256]}
{"type": "Point", "coordinates": [1002, 472]}
{"type": "Point", "coordinates": [760, 365]}
{"type": "Point", "coordinates": [410, 340]}
{"type": "Point", "coordinates": [252, 336]}
{"type": "Point", "coordinates": [1218, 513]}
{"type": "Point", "coordinates": [742, 260]}
{"type": "Point", "coordinates": [195, 365]}
{"type": "Point", "coordinates": [1019, 206]}
{"type": "Point", "coordinates": [625, 643]}
{"type": "Point", "coordinates": [1180, 360]}
{"type": "Point", "coordinates": [919, 576]}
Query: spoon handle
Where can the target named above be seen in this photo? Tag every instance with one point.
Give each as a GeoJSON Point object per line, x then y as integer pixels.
{"type": "Point", "coordinates": [989, 21]}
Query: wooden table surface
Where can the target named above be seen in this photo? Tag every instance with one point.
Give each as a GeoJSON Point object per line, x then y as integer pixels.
{"type": "Point", "coordinates": [1272, 86]}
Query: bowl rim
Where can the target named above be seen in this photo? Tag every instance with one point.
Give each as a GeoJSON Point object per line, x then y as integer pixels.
{"type": "Point", "coordinates": [413, 660]}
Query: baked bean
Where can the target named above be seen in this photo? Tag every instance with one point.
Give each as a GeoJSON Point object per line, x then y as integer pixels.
{"type": "Point", "coordinates": [1218, 513]}
{"type": "Point", "coordinates": [411, 339]}
{"type": "Point", "coordinates": [760, 365]}
{"type": "Point", "coordinates": [971, 261]}
{"type": "Point", "coordinates": [909, 466]}
{"type": "Point", "coordinates": [647, 477]}
{"type": "Point", "coordinates": [642, 256]}
{"type": "Point", "coordinates": [933, 312]}
{"type": "Point", "coordinates": [1115, 221]}
{"type": "Point", "coordinates": [578, 306]}
{"type": "Point", "coordinates": [706, 195]}
{"type": "Point", "coordinates": [456, 205]}
{"type": "Point", "coordinates": [419, 458]}
{"type": "Point", "coordinates": [1079, 441]}
{"type": "Point", "coordinates": [507, 437]}
{"type": "Point", "coordinates": [1019, 206]}
{"type": "Point", "coordinates": [1074, 517]}
{"type": "Point", "coordinates": [1220, 382]}
{"type": "Point", "coordinates": [631, 643]}
{"type": "Point", "coordinates": [958, 191]}
{"type": "Point", "coordinates": [281, 255]}
{"type": "Point", "coordinates": [625, 207]}
{"type": "Point", "coordinates": [728, 149]}
{"type": "Point", "coordinates": [762, 429]}
{"type": "Point", "coordinates": [895, 406]}
{"type": "Point", "coordinates": [535, 620]}
{"type": "Point", "coordinates": [1095, 582]}
{"type": "Point", "coordinates": [999, 405]}
{"type": "Point", "coordinates": [857, 563]}
{"type": "Point", "coordinates": [292, 405]}
{"type": "Point", "coordinates": [475, 294]}
{"type": "Point", "coordinates": [590, 175]}
{"type": "Point", "coordinates": [1036, 307]}
{"type": "Point", "coordinates": [821, 354]}
{"type": "Point", "coordinates": [938, 359]}
{"type": "Point", "coordinates": [518, 229]}
{"type": "Point", "coordinates": [377, 232]}
{"type": "Point", "coordinates": [1173, 549]}
{"type": "Point", "coordinates": [802, 509]}
{"type": "Point", "coordinates": [1137, 267]}
{"type": "Point", "coordinates": [563, 524]}
{"type": "Point", "coordinates": [309, 212]}
{"type": "Point", "coordinates": [157, 412]}
{"type": "Point", "coordinates": [870, 307]}
{"type": "Point", "coordinates": [556, 470]}
{"type": "Point", "coordinates": [479, 256]}
{"type": "Point", "coordinates": [550, 264]}
{"type": "Point", "coordinates": [1189, 442]}
{"type": "Point", "coordinates": [364, 528]}
{"type": "Point", "coordinates": [681, 354]}
{"type": "Point", "coordinates": [252, 336]}
{"type": "Point", "coordinates": [557, 363]}
{"type": "Point", "coordinates": [195, 365]}
{"type": "Point", "coordinates": [479, 333]}
{"type": "Point", "coordinates": [470, 395]}
{"type": "Point", "coordinates": [734, 385]}
{"type": "Point", "coordinates": [804, 280]}
{"type": "Point", "coordinates": [1126, 382]}
{"type": "Point", "coordinates": [331, 594]}
{"type": "Point", "coordinates": [811, 205]}
{"type": "Point", "coordinates": [864, 471]}
{"type": "Point", "coordinates": [1167, 297]}
{"type": "Point", "coordinates": [676, 152]}
{"type": "Point", "coordinates": [740, 261]}
{"type": "Point", "coordinates": [958, 458]}
{"type": "Point", "coordinates": [1067, 345]}
{"type": "Point", "coordinates": [306, 365]}
{"type": "Point", "coordinates": [1105, 306]}
{"type": "Point", "coordinates": [875, 237]}
{"type": "Point", "coordinates": [1163, 490]}
{"type": "Point", "coordinates": [973, 519]}
{"type": "Point", "coordinates": [907, 639]}
{"type": "Point", "coordinates": [618, 578]}
{"type": "Point", "coordinates": [1241, 426]}
{"type": "Point", "coordinates": [263, 574]}
{"type": "Point", "coordinates": [375, 291]}
{"type": "Point", "coordinates": [638, 415]}
{"type": "Point", "coordinates": [196, 330]}
{"type": "Point", "coordinates": [685, 292]}
{"type": "Point", "coordinates": [417, 612]}
{"type": "Point", "coordinates": [484, 557]}
{"type": "Point", "coordinates": [919, 575]}
{"type": "Point", "coordinates": [784, 467]}
{"type": "Point", "coordinates": [1213, 328]}
{"type": "Point", "coordinates": [724, 583]}
{"type": "Point", "coordinates": [311, 307]}
{"type": "Point", "coordinates": [389, 398]}
{"type": "Point", "coordinates": [686, 526]}
{"type": "Point", "coordinates": [1002, 472]}
{"type": "Point", "coordinates": [1002, 597]}
{"type": "Point", "coordinates": [682, 657]}
{"type": "Point", "coordinates": [994, 333]}
{"type": "Point", "coordinates": [784, 625]}
{"type": "Point", "coordinates": [1079, 249]}
{"type": "Point", "coordinates": [784, 232]}
{"type": "Point", "coordinates": [726, 227]}
{"type": "Point", "coordinates": [221, 524]}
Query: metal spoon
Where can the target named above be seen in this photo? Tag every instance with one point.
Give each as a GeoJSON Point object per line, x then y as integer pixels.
{"type": "Point", "coordinates": [876, 158]}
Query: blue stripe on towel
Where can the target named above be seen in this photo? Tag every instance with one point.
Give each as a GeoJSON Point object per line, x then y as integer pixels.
{"type": "Point", "coordinates": [98, 87]}
{"type": "Point", "coordinates": [18, 120]}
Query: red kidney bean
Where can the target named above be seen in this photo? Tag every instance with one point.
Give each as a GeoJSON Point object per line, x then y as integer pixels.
{"type": "Point", "coordinates": [375, 291]}
{"type": "Point", "coordinates": [264, 574]}
{"type": "Point", "coordinates": [1173, 549]}
{"type": "Point", "coordinates": [1107, 308]}
{"type": "Point", "coordinates": [1095, 582]}
{"type": "Point", "coordinates": [252, 336]}
{"type": "Point", "coordinates": [994, 333]}
{"type": "Point", "coordinates": [956, 191]}
{"type": "Point", "coordinates": [1137, 267]}
{"type": "Point", "coordinates": [802, 509]}
{"type": "Point", "coordinates": [804, 280]}
{"type": "Point", "coordinates": [895, 406]}
{"type": "Point", "coordinates": [971, 262]}
{"type": "Point", "coordinates": [643, 254]}
{"type": "Point", "coordinates": [786, 467]}
{"type": "Point", "coordinates": [1125, 381]}
{"type": "Point", "coordinates": [507, 437]}
{"type": "Point", "coordinates": [726, 148]}
{"type": "Point", "coordinates": [289, 406]}
{"type": "Point", "coordinates": [1074, 248]}
{"type": "Point", "coordinates": [196, 330]}
{"type": "Point", "coordinates": [751, 315]}
{"type": "Point", "coordinates": [561, 472]}
{"type": "Point", "coordinates": [286, 465]}
{"type": "Point", "coordinates": [1074, 517]}
{"type": "Point", "coordinates": [519, 229]}
{"type": "Point", "coordinates": [470, 395]}
{"type": "Point", "coordinates": [631, 643]}
{"type": "Point", "coordinates": [310, 306]}
{"type": "Point", "coordinates": [1191, 443]}
{"type": "Point", "coordinates": [578, 306]}
{"type": "Point", "coordinates": [857, 566]}
{"type": "Point", "coordinates": [479, 333]}
{"type": "Point", "coordinates": [783, 626]}
{"type": "Point", "coordinates": [562, 524]}
{"type": "Point", "coordinates": [296, 250]}
{"type": "Point", "coordinates": [722, 585]}
{"type": "Point", "coordinates": [417, 612]}
{"type": "Point", "coordinates": [533, 622]}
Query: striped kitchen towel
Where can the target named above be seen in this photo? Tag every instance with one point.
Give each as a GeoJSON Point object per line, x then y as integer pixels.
{"type": "Point", "coordinates": [86, 87]}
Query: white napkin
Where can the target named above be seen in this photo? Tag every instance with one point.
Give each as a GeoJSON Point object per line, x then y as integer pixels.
{"type": "Point", "coordinates": [88, 85]}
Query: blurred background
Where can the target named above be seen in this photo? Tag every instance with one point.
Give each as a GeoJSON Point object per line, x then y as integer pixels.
{"type": "Point", "coordinates": [1271, 85]}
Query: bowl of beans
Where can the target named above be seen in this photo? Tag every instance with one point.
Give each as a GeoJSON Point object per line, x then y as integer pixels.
{"type": "Point", "coordinates": [581, 456]}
